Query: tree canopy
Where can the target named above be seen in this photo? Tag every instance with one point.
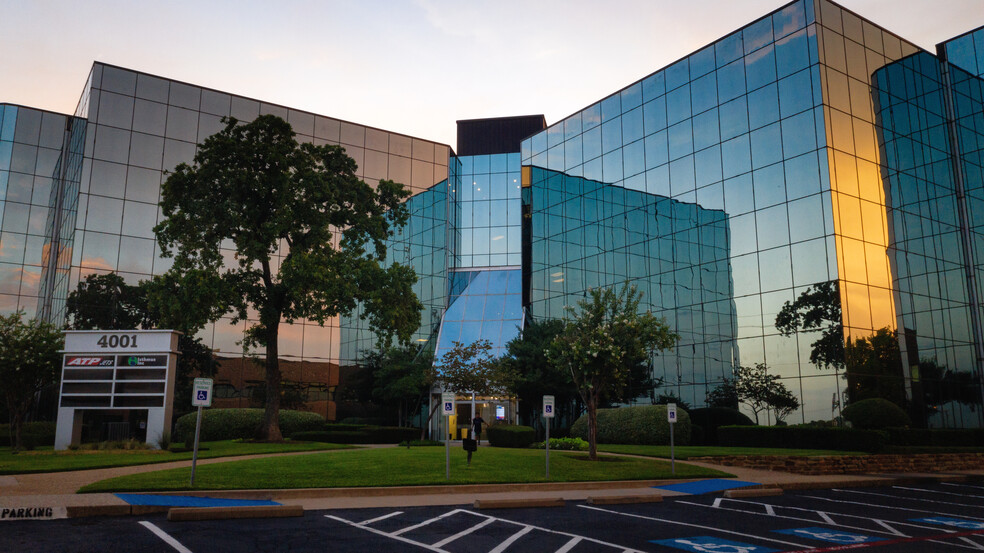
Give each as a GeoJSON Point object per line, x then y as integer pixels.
{"type": "Point", "coordinates": [535, 376]}
{"type": "Point", "coordinates": [29, 361]}
{"type": "Point", "coordinates": [260, 222]}
{"type": "Point", "coordinates": [605, 339]}
{"type": "Point", "coordinates": [817, 309]}
{"type": "Point", "coordinates": [761, 391]}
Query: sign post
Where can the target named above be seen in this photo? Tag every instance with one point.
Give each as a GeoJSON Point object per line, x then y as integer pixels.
{"type": "Point", "coordinates": [201, 396]}
{"type": "Point", "coordinates": [447, 402]}
{"type": "Point", "coordinates": [548, 413]}
{"type": "Point", "coordinates": [671, 416]}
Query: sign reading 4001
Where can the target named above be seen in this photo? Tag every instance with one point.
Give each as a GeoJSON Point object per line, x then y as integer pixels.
{"type": "Point", "coordinates": [117, 341]}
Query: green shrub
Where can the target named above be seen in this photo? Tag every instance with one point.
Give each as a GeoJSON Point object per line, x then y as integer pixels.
{"type": "Point", "coordinates": [709, 419]}
{"type": "Point", "coordinates": [802, 437]}
{"type": "Point", "coordinates": [334, 426]}
{"type": "Point", "coordinates": [564, 444]}
{"type": "Point", "coordinates": [392, 434]}
{"type": "Point", "coordinates": [364, 421]}
{"type": "Point", "coordinates": [230, 424]}
{"type": "Point", "coordinates": [510, 435]}
{"type": "Point", "coordinates": [34, 434]}
{"type": "Point", "coordinates": [876, 413]}
{"type": "Point", "coordinates": [637, 424]}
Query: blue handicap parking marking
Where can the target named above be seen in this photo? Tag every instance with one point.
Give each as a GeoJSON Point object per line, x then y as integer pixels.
{"type": "Point", "coordinates": [707, 544]}
{"type": "Point", "coordinates": [828, 535]}
{"type": "Point", "coordinates": [954, 522]}
{"type": "Point", "coordinates": [707, 486]}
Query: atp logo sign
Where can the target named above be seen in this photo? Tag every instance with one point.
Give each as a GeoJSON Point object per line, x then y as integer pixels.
{"type": "Point", "coordinates": [96, 361]}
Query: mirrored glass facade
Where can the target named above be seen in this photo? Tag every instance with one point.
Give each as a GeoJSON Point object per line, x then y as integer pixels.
{"type": "Point", "coordinates": [775, 128]}
{"type": "Point", "coordinates": [808, 154]}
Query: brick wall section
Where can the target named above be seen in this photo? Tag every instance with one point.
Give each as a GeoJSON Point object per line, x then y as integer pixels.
{"type": "Point", "coordinates": [850, 464]}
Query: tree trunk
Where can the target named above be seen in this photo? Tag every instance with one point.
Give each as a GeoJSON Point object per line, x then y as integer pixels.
{"type": "Point", "coordinates": [592, 405]}
{"type": "Point", "coordinates": [270, 431]}
{"type": "Point", "coordinates": [426, 425]}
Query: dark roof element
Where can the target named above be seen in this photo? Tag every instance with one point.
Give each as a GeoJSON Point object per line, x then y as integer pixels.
{"type": "Point", "coordinates": [497, 135]}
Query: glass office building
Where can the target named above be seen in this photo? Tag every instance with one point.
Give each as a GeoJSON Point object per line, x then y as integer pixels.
{"type": "Point", "coordinates": [805, 193]}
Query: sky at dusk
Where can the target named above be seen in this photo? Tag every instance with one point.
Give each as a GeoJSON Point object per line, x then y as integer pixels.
{"type": "Point", "coordinates": [413, 67]}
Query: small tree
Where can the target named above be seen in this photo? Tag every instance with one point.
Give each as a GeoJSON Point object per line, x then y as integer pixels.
{"type": "Point", "coordinates": [604, 340]}
{"type": "Point", "coordinates": [526, 358]}
{"type": "Point", "coordinates": [309, 238]}
{"type": "Point", "coordinates": [723, 395]}
{"type": "Point", "coordinates": [29, 361]}
{"type": "Point", "coordinates": [402, 377]}
{"type": "Point", "coordinates": [471, 368]}
{"type": "Point", "coordinates": [762, 391]}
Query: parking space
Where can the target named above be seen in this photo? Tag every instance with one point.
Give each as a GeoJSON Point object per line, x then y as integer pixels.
{"type": "Point", "coordinates": [909, 518]}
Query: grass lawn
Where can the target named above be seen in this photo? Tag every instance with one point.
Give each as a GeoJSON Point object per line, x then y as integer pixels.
{"type": "Point", "coordinates": [400, 467]}
{"type": "Point", "coordinates": [48, 460]}
{"type": "Point", "coordinates": [686, 452]}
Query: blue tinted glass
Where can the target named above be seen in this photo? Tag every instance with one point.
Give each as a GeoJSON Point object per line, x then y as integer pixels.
{"type": "Point", "coordinates": [779, 274]}
{"type": "Point", "coordinates": [612, 166]}
{"type": "Point", "coordinates": [491, 330]}
{"type": "Point", "coordinates": [450, 332]}
{"type": "Point", "coordinates": [763, 106]}
{"type": "Point", "coordinates": [653, 86]}
{"type": "Point", "coordinates": [611, 108]}
{"type": "Point", "coordinates": [736, 156]}
{"type": "Point", "coordinates": [474, 307]}
{"type": "Point", "coordinates": [656, 150]}
{"type": "Point", "coordinates": [632, 126]}
{"type": "Point", "coordinates": [592, 143]}
{"type": "Point", "coordinates": [470, 332]}
{"type": "Point", "coordinates": [539, 143]}
{"type": "Point", "coordinates": [682, 178]}
{"type": "Point", "coordinates": [708, 166]}
{"type": "Point", "coordinates": [766, 146]}
{"type": "Point", "coordinates": [742, 241]}
{"type": "Point", "coordinates": [654, 115]}
{"type": "Point", "coordinates": [634, 158]}
{"type": "Point", "coordinates": [738, 195]}
{"type": "Point", "coordinates": [632, 97]}
{"type": "Point", "coordinates": [498, 281]}
{"type": "Point", "coordinates": [802, 176]}
{"type": "Point", "coordinates": [572, 153]}
{"type": "Point", "coordinates": [770, 186]}
{"type": "Point", "coordinates": [731, 81]}
{"type": "Point", "coordinates": [591, 116]}
{"type": "Point", "coordinates": [572, 126]}
{"type": "Point", "coordinates": [479, 283]}
{"type": "Point", "coordinates": [678, 104]}
{"type": "Point", "coordinates": [456, 311]}
{"type": "Point", "coordinates": [728, 49]}
{"type": "Point", "coordinates": [760, 68]}
{"type": "Point", "coordinates": [498, 163]}
{"type": "Point", "coordinates": [798, 135]}
{"type": "Point", "coordinates": [706, 129]}
{"type": "Point", "coordinates": [792, 54]}
{"type": "Point", "coordinates": [681, 139]}
{"type": "Point", "coordinates": [677, 74]}
{"type": "Point", "coordinates": [734, 118]}
{"type": "Point", "coordinates": [611, 134]}
{"type": "Point", "coordinates": [703, 93]}
{"type": "Point", "coordinates": [480, 164]}
{"type": "Point", "coordinates": [757, 34]}
{"type": "Point", "coordinates": [9, 123]}
{"type": "Point", "coordinates": [792, 97]}
{"type": "Point", "coordinates": [702, 62]}
{"type": "Point", "coordinates": [790, 19]}
{"type": "Point", "coordinates": [808, 216]}
{"type": "Point", "coordinates": [773, 227]}
{"type": "Point", "coordinates": [711, 197]}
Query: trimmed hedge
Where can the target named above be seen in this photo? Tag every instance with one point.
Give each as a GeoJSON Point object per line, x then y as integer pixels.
{"type": "Point", "coordinates": [709, 419]}
{"type": "Point", "coordinates": [802, 437]}
{"type": "Point", "coordinates": [34, 434]}
{"type": "Point", "coordinates": [362, 435]}
{"type": "Point", "coordinates": [231, 424]}
{"type": "Point", "coordinates": [637, 424]}
{"type": "Point", "coordinates": [510, 435]}
{"type": "Point", "coordinates": [876, 413]}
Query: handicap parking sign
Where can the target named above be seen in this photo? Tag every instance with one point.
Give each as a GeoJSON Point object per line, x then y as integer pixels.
{"type": "Point", "coordinates": [828, 535]}
{"type": "Point", "coordinates": [708, 544]}
{"type": "Point", "coordinates": [202, 392]}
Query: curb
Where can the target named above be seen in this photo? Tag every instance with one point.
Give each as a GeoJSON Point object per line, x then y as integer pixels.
{"type": "Point", "coordinates": [183, 514]}
{"type": "Point", "coordinates": [518, 503]}
{"type": "Point", "coordinates": [752, 492]}
{"type": "Point", "coordinates": [623, 499]}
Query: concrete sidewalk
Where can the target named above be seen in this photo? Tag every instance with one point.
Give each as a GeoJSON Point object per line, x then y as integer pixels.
{"type": "Point", "coordinates": [56, 490]}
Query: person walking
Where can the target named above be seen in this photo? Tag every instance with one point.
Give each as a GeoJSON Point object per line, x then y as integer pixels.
{"type": "Point", "coordinates": [477, 423]}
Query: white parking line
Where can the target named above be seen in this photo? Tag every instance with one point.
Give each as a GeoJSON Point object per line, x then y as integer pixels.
{"type": "Point", "coordinates": [464, 532]}
{"type": "Point", "coordinates": [939, 492]}
{"type": "Point", "coordinates": [897, 498]}
{"type": "Point", "coordinates": [891, 507]}
{"type": "Point", "coordinates": [692, 525]}
{"type": "Point", "coordinates": [424, 523]}
{"type": "Point", "coordinates": [377, 519]}
{"type": "Point", "coordinates": [511, 540]}
{"type": "Point", "coordinates": [164, 536]}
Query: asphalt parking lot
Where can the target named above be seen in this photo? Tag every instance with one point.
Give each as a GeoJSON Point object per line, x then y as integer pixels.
{"type": "Point", "coordinates": [906, 518]}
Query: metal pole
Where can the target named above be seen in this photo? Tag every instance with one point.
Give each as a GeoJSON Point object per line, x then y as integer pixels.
{"type": "Point", "coordinates": [672, 456]}
{"type": "Point", "coordinates": [547, 442]}
{"type": "Point", "coordinates": [447, 448]}
{"type": "Point", "coordinates": [194, 455]}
